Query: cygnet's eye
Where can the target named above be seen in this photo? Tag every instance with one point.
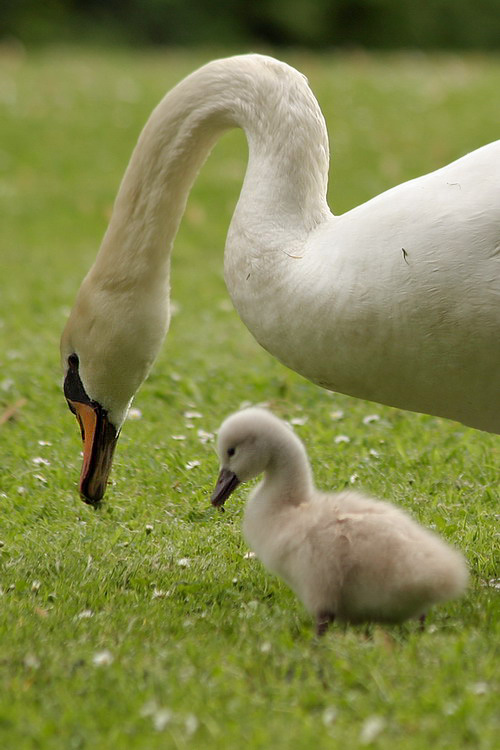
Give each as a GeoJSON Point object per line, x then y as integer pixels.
{"type": "Point", "coordinates": [231, 452]}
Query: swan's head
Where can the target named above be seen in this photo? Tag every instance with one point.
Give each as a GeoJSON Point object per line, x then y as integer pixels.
{"type": "Point", "coordinates": [107, 349]}
{"type": "Point", "coordinates": [248, 444]}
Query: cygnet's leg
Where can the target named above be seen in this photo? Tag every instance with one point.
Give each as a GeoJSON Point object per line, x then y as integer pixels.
{"type": "Point", "coordinates": [421, 620]}
{"type": "Point", "coordinates": [323, 620]}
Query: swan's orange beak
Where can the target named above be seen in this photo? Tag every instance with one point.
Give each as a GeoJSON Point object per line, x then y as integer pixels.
{"type": "Point", "coordinates": [99, 435]}
{"type": "Point", "coordinates": [99, 440]}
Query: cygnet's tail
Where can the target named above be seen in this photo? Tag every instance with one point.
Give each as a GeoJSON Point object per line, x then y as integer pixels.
{"type": "Point", "coordinates": [451, 574]}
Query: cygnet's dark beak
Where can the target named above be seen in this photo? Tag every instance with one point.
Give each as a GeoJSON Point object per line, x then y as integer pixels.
{"type": "Point", "coordinates": [226, 484]}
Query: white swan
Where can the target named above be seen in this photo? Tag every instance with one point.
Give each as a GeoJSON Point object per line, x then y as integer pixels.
{"type": "Point", "coordinates": [346, 556]}
{"type": "Point", "coordinates": [396, 301]}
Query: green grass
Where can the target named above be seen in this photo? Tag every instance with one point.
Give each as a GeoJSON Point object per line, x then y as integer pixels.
{"type": "Point", "coordinates": [215, 653]}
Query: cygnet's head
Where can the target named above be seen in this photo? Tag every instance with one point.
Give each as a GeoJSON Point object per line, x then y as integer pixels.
{"type": "Point", "coordinates": [246, 446]}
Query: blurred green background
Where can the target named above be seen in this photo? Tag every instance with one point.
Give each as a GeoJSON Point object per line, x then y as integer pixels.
{"type": "Point", "coordinates": [317, 24]}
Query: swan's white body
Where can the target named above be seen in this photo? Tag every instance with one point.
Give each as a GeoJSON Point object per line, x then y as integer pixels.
{"type": "Point", "coordinates": [345, 555]}
{"type": "Point", "coordinates": [396, 301]}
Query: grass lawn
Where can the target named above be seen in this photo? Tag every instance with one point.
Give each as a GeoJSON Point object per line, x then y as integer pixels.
{"type": "Point", "coordinates": [143, 624]}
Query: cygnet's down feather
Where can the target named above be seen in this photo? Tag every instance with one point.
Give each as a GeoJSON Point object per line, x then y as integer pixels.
{"type": "Point", "coordinates": [346, 556]}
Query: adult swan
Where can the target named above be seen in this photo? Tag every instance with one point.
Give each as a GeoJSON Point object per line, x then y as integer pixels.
{"type": "Point", "coordinates": [395, 301]}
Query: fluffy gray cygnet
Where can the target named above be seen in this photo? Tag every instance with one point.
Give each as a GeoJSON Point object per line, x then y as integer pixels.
{"type": "Point", "coordinates": [345, 555]}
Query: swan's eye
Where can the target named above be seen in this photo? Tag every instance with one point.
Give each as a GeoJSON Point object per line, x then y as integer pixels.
{"type": "Point", "coordinates": [231, 452]}
{"type": "Point", "coordinates": [73, 361]}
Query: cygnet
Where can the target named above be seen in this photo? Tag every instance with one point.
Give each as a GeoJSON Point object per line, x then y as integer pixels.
{"type": "Point", "coordinates": [345, 555]}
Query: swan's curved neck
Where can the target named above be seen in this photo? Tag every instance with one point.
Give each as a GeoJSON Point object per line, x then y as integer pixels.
{"type": "Point", "coordinates": [286, 180]}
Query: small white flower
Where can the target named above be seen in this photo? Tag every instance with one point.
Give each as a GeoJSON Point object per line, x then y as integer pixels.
{"type": "Point", "coordinates": [191, 724]}
{"type": "Point", "coordinates": [193, 415]}
{"type": "Point", "coordinates": [134, 413]}
{"type": "Point", "coordinates": [40, 478]}
{"type": "Point", "coordinates": [21, 490]}
{"type": "Point", "coordinates": [372, 452]}
{"type": "Point", "coordinates": [85, 614]}
{"type": "Point", "coordinates": [31, 661]}
{"type": "Point", "coordinates": [103, 658]}
{"type": "Point", "coordinates": [450, 708]}
{"type": "Point", "coordinates": [341, 439]}
{"type": "Point", "coordinates": [159, 594]}
{"type": "Point", "coordinates": [39, 461]}
{"type": "Point", "coordinates": [248, 555]}
{"type": "Point", "coordinates": [353, 478]}
{"type": "Point", "coordinates": [192, 465]}
{"type": "Point", "coordinates": [35, 586]}
{"type": "Point", "coordinates": [178, 437]}
{"type": "Point", "coordinates": [265, 647]}
{"type": "Point", "coordinates": [480, 688]}
{"type": "Point", "coordinates": [329, 715]}
{"type": "Point", "coordinates": [370, 418]}
{"type": "Point", "coordinates": [44, 442]}
{"type": "Point", "coordinates": [184, 562]}
{"type": "Point", "coordinates": [245, 404]}
{"type": "Point", "coordinates": [337, 415]}
{"type": "Point", "coordinates": [299, 421]}
{"type": "Point", "coordinates": [371, 729]}
{"type": "Point", "coordinates": [149, 528]}
{"type": "Point", "coordinates": [205, 437]}
{"type": "Point", "coordinates": [161, 717]}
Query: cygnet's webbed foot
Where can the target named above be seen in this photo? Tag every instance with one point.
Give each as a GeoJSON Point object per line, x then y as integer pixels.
{"type": "Point", "coordinates": [323, 620]}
